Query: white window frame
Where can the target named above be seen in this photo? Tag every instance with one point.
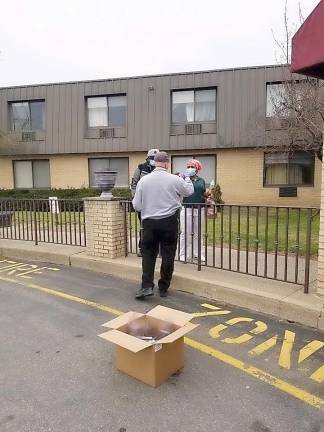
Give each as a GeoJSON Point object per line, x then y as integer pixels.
{"type": "Point", "coordinates": [29, 102]}
{"type": "Point", "coordinates": [285, 159]}
{"type": "Point", "coordinates": [107, 97]}
{"type": "Point", "coordinates": [194, 90]}
{"type": "Point", "coordinates": [31, 161]}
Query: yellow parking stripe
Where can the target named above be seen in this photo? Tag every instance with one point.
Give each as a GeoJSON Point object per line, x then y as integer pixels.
{"type": "Point", "coordinates": [264, 346]}
{"type": "Point", "coordinates": [292, 390]}
{"type": "Point", "coordinates": [287, 346]}
{"type": "Point", "coordinates": [318, 375]}
{"type": "Point", "coordinates": [261, 375]}
{"type": "Point", "coordinates": [310, 349]}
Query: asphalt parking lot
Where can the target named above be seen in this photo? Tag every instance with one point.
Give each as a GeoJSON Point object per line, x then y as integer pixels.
{"type": "Point", "coordinates": [244, 371]}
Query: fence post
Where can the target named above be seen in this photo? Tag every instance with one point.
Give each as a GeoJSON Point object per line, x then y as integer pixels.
{"type": "Point", "coordinates": [105, 230]}
{"type": "Point", "coordinates": [307, 251]}
{"type": "Point", "coordinates": [35, 222]}
{"type": "Point", "coordinates": [199, 236]}
{"type": "Point", "coordinates": [320, 266]}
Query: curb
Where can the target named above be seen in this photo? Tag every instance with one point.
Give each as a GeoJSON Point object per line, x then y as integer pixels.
{"type": "Point", "coordinates": [258, 294]}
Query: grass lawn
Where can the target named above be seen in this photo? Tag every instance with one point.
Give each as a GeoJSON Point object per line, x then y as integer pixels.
{"type": "Point", "coordinates": [286, 234]}
{"type": "Point", "coordinates": [236, 228]}
{"type": "Point", "coordinates": [48, 219]}
{"type": "Point", "coordinates": [241, 229]}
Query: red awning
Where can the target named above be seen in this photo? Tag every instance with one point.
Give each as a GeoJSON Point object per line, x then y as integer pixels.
{"type": "Point", "coordinates": [308, 45]}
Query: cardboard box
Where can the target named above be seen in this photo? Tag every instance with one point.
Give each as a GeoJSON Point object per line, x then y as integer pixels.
{"type": "Point", "coordinates": [149, 347]}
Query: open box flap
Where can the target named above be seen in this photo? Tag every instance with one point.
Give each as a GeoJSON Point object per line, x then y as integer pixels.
{"type": "Point", "coordinates": [122, 320]}
{"type": "Point", "coordinates": [170, 315]}
{"type": "Point", "coordinates": [178, 333]}
{"type": "Point", "coordinates": [125, 340]}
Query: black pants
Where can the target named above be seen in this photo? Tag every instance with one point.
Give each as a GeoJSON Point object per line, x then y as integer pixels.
{"type": "Point", "coordinates": [163, 233]}
{"type": "Point", "coordinates": [140, 232]}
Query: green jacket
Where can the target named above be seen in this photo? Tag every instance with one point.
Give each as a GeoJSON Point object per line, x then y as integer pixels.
{"type": "Point", "coordinates": [199, 190]}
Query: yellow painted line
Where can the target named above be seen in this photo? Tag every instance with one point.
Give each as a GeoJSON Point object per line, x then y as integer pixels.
{"type": "Point", "coordinates": [216, 310]}
{"type": "Point", "coordinates": [8, 267]}
{"type": "Point", "coordinates": [65, 296]}
{"type": "Point", "coordinates": [209, 306]}
{"type": "Point", "coordinates": [259, 328]}
{"type": "Point", "coordinates": [264, 346]}
{"type": "Point", "coordinates": [318, 375]}
{"type": "Point", "coordinates": [263, 376]}
{"type": "Point", "coordinates": [310, 349]}
{"type": "Point", "coordinates": [215, 313]}
{"type": "Point", "coordinates": [292, 390]}
{"type": "Point", "coordinates": [286, 349]}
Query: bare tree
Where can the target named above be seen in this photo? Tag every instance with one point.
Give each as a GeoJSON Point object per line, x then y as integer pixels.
{"type": "Point", "coordinates": [297, 104]}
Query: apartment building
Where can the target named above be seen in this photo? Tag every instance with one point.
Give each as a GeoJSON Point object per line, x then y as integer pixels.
{"type": "Point", "coordinates": [59, 134]}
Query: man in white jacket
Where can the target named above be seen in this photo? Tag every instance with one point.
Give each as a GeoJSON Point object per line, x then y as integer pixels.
{"type": "Point", "coordinates": [158, 197]}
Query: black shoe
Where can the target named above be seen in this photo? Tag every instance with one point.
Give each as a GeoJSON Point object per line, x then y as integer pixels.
{"type": "Point", "coordinates": [144, 292]}
{"type": "Point", "coordinates": [163, 293]}
{"type": "Point", "coordinates": [139, 254]}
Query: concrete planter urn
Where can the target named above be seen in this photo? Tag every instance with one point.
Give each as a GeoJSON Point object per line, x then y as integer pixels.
{"type": "Point", "coordinates": [106, 181]}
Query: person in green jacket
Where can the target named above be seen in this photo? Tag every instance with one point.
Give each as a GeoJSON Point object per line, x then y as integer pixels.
{"type": "Point", "coordinates": [189, 214]}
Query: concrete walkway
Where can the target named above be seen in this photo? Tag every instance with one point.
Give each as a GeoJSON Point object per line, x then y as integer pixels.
{"type": "Point", "coordinates": [279, 267]}
{"type": "Point", "coordinates": [282, 300]}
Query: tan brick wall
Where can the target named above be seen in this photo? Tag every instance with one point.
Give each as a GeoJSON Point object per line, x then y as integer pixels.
{"type": "Point", "coordinates": [72, 170]}
{"type": "Point", "coordinates": [6, 173]}
{"type": "Point", "coordinates": [69, 171]}
{"type": "Point", "coordinates": [105, 235]}
{"type": "Point", "coordinates": [240, 175]}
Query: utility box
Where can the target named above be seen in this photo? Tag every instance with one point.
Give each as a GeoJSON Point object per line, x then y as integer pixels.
{"type": "Point", "coordinates": [149, 347]}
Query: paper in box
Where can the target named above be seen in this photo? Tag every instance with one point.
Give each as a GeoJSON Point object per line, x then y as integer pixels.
{"type": "Point", "coordinates": [150, 346]}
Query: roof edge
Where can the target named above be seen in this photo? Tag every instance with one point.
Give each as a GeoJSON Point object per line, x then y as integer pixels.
{"type": "Point", "coordinates": [146, 76]}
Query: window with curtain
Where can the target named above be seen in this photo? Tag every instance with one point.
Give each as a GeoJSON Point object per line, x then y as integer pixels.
{"type": "Point", "coordinates": [32, 174]}
{"type": "Point", "coordinates": [29, 115]}
{"type": "Point", "coordinates": [112, 164]}
{"type": "Point", "coordinates": [281, 169]}
{"type": "Point", "coordinates": [107, 111]}
{"type": "Point", "coordinates": [208, 173]}
{"type": "Point", "coordinates": [193, 105]}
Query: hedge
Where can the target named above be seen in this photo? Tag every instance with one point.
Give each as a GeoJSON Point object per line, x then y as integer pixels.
{"type": "Point", "coordinates": [70, 193]}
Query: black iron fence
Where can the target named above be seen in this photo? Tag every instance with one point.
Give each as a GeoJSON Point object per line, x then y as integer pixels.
{"type": "Point", "coordinates": [279, 243]}
{"type": "Point", "coordinates": [53, 220]}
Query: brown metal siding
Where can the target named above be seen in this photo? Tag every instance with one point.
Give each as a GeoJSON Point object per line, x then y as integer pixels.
{"type": "Point", "coordinates": [241, 104]}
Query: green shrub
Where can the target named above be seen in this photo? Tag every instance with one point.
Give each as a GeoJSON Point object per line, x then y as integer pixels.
{"type": "Point", "coordinates": [70, 193]}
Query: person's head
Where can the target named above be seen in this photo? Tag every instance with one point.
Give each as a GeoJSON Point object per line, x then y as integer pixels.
{"type": "Point", "coordinates": [162, 160]}
{"type": "Point", "coordinates": [150, 156]}
{"type": "Point", "coordinates": [194, 166]}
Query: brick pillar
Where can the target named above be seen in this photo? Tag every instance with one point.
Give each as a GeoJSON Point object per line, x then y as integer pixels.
{"type": "Point", "coordinates": [105, 233]}
{"type": "Point", "coordinates": [320, 275]}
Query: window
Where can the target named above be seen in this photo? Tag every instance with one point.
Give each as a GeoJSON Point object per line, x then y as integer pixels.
{"type": "Point", "coordinates": [278, 96]}
{"type": "Point", "coordinates": [107, 111]}
{"type": "Point", "coordinates": [112, 164]}
{"type": "Point", "coordinates": [282, 169]}
{"type": "Point", "coordinates": [208, 172]}
{"type": "Point", "coordinates": [32, 174]}
{"type": "Point", "coordinates": [27, 115]}
{"type": "Point", "coordinates": [193, 105]}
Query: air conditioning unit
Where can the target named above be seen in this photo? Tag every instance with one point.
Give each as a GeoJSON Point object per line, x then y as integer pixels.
{"type": "Point", "coordinates": [28, 136]}
{"type": "Point", "coordinates": [193, 129]}
{"type": "Point", "coordinates": [107, 133]}
{"type": "Point", "coordinates": [288, 191]}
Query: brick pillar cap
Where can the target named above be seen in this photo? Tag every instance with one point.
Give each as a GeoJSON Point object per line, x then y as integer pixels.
{"type": "Point", "coordinates": [101, 199]}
